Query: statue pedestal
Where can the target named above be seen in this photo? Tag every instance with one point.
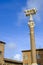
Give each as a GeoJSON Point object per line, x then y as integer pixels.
{"type": "Point", "coordinates": [34, 64]}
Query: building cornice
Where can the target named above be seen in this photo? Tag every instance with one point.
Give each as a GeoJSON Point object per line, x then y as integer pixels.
{"type": "Point", "coordinates": [30, 50]}
{"type": "Point", "coordinates": [12, 61]}
{"type": "Point", "coordinates": [1, 42]}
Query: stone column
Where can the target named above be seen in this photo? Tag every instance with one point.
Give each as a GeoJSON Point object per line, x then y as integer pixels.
{"type": "Point", "coordinates": [32, 38]}
{"type": "Point", "coordinates": [32, 42]}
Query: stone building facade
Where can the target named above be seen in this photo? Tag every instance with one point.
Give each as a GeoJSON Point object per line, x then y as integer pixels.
{"type": "Point", "coordinates": [27, 57]}
{"type": "Point", "coordinates": [5, 61]}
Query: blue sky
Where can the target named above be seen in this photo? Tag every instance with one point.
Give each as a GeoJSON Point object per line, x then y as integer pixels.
{"type": "Point", "coordinates": [14, 28]}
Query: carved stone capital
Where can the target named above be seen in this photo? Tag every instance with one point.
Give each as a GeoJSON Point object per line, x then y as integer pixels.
{"type": "Point", "coordinates": [31, 24]}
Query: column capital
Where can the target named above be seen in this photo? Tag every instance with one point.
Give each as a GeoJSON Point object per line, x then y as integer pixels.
{"type": "Point", "coordinates": [31, 24]}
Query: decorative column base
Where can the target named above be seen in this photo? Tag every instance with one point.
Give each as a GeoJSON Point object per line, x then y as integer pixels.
{"type": "Point", "coordinates": [34, 64]}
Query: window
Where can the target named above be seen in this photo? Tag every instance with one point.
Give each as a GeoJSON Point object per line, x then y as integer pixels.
{"type": "Point", "coordinates": [39, 64]}
{"type": "Point", "coordinates": [25, 64]}
{"type": "Point", "coordinates": [25, 57]}
{"type": "Point", "coordinates": [38, 56]}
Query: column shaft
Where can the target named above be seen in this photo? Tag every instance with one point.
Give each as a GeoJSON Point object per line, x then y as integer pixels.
{"type": "Point", "coordinates": [33, 48]}
{"type": "Point", "coordinates": [32, 42]}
